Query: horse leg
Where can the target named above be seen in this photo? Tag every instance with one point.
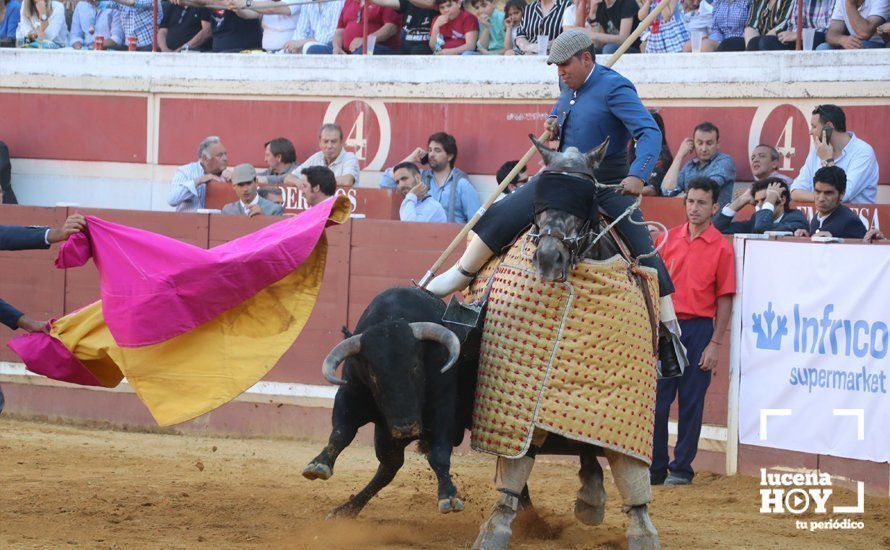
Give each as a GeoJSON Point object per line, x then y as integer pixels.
{"type": "Point", "coordinates": [346, 422]}
{"type": "Point", "coordinates": [512, 475]}
{"type": "Point", "coordinates": [391, 454]}
{"type": "Point", "coordinates": [632, 479]}
{"type": "Point", "coordinates": [590, 502]}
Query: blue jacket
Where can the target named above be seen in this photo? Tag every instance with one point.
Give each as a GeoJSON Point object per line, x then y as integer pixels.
{"type": "Point", "coordinates": [607, 104]}
{"type": "Point", "coordinates": [13, 237]}
{"type": "Point", "coordinates": [10, 20]}
{"type": "Point", "coordinates": [761, 221]}
{"type": "Point", "coordinates": [842, 223]}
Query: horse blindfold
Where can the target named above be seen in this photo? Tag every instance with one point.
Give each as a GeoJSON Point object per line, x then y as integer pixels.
{"type": "Point", "coordinates": [570, 194]}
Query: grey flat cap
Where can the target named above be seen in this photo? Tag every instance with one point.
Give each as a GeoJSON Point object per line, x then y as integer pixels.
{"type": "Point", "coordinates": [568, 44]}
{"type": "Point", "coordinates": [243, 173]}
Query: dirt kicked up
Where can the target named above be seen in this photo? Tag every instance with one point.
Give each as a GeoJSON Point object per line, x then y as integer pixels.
{"type": "Point", "coordinates": [64, 485]}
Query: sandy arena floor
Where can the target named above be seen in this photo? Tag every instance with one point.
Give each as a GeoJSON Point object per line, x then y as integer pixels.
{"type": "Point", "coordinates": [64, 485]}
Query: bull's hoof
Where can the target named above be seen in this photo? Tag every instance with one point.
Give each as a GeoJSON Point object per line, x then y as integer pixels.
{"type": "Point", "coordinates": [345, 511]}
{"type": "Point", "coordinates": [452, 504]}
{"type": "Point", "coordinates": [641, 534]}
{"type": "Point", "coordinates": [316, 470]}
{"type": "Point", "coordinates": [589, 514]}
{"type": "Point", "coordinates": [495, 532]}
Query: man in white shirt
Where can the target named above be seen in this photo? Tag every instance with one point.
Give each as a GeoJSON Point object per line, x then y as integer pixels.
{"type": "Point", "coordinates": [343, 163]}
{"type": "Point", "coordinates": [834, 146]}
{"type": "Point", "coordinates": [854, 24]}
{"type": "Point", "coordinates": [765, 160]}
{"type": "Point", "coordinates": [249, 202]}
{"type": "Point", "coordinates": [418, 205]}
{"type": "Point", "coordinates": [188, 190]}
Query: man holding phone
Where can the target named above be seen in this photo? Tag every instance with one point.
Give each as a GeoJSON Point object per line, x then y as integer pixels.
{"type": "Point", "coordinates": [835, 146]}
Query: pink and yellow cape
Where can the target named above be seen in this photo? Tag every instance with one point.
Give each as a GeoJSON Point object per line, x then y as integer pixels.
{"type": "Point", "coordinates": [189, 328]}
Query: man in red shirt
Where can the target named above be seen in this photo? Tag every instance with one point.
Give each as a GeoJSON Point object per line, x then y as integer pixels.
{"type": "Point", "coordinates": [384, 25]}
{"type": "Point", "coordinates": [700, 261]}
{"type": "Point", "coordinates": [455, 31]}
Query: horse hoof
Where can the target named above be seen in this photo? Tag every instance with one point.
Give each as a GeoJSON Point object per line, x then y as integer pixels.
{"type": "Point", "coordinates": [452, 504]}
{"type": "Point", "coordinates": [589, 514]}
{"type": "Point", "coordinates": [317, 471]}
{"type": "Point", "coordinates": [643, 542]}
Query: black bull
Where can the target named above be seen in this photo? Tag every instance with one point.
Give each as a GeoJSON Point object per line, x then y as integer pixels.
{"type": "Point", "coordinates": [394, 380]}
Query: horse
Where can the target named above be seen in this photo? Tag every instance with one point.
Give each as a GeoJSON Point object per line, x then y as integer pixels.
{"type": "Point", "coordinates": [567, 230]}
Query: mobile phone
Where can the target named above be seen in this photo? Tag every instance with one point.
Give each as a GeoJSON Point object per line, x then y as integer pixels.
{"type": "Point", "coordinates": [425, 159]}
{"type": "Point", "coordinates": [826, 133]}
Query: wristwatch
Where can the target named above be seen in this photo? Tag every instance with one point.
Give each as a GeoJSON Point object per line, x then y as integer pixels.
{"type": "Point", "coordinates": [248, 3]}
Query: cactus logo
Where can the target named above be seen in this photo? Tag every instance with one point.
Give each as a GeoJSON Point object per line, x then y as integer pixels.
{"type": "Point", "coordinates": [770, 329]}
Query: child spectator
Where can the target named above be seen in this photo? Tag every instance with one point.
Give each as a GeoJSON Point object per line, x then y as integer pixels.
{"type": "Point", "coordinates": [697, 17]}
{"type": "Point", "coordinates": [491, 27]}
{"type": "Point", "coordinates": [613, 23]}
{"type": "Point", "coordinates": [455, 31]}
{"type": "Point", "coordinates": [667, 33]}
{"type": "Point", "coordinates": [512, 20]}
{"type": "Point", "coordinates": [42, 24]}
{"type": "Point", "coordinates": [418, 17]}
{"type": "Point", "coordinates": [728, 26]}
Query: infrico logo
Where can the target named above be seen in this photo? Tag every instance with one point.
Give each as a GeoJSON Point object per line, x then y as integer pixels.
{"type": "Point", "coordinates": [797, 493]}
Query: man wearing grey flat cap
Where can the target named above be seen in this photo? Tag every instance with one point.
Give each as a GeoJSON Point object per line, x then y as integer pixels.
{"type": "Point", "coordinates": [249, 202]}
{"type": "Point", "coordinates": [595, 103]}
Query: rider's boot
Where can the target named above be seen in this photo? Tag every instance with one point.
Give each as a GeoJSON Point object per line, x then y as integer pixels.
{"type": "Point", "coordinates": [512, 475]}
{"type": "Point", "coordinates": [672, 361]}
{"type": "Point", "coordinates": [459, 276]}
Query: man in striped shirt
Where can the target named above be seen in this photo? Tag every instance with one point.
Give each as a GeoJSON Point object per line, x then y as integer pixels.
{"type": "Point", "coordinates": [316, 25]}
{"type": "Point", "coordinates": [188, 190]}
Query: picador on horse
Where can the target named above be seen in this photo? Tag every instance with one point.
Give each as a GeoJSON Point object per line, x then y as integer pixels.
{"type": "Point", "coordinates": [584, 371]}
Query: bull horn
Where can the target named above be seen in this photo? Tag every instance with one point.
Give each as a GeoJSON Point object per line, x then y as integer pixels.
{"type": "Point", "coordinates": [438, 333]}
{"type": "Point", "coordinates": [345, 349]}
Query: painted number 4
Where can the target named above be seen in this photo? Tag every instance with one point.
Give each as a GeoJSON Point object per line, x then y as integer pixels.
{"type": "Point", "coordinates": [784, 145]}
{"type": "Point", "coordinates": [356, 140]}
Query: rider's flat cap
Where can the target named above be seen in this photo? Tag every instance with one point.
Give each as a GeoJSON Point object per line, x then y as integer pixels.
{"type": "Point", "coordinates": [568, 44]}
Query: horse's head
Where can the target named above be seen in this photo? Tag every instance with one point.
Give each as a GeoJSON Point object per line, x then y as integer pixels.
{"type": "Point", "coordinates": [566, 207]}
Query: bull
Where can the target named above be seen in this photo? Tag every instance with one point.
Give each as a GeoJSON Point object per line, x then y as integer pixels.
{"type": "Point", "coordinates": [398, 375]}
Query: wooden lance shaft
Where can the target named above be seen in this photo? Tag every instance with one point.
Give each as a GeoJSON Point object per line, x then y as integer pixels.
{"type": "Point", "coordinates": [462, 236]}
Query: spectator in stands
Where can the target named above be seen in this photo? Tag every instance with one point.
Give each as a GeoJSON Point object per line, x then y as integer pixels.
{"type": "Point", "coordinates": [7, 196]}
{"type": "Point", "coordinates": [315, 26]}
{"type": "Point", "coordinates": [281, 158]}
{"type": "Point", "coordinates": [884, 32]}
{"type": "Point", "coordinates": [613, 23]}
{"type": "Point", "coordinates": [772, 210]}
{"type": "Point", "coordinates": [667, 33]}
{"type": "Point", "coordinates": [455, 31]}
{"type": "Point", "coordinates": [834, 146]}
{"type": "Point", "coordinates": [873, 235]}
{"type": "Point", "coordinates": [816, 15]}
{"type": "Point", "coordinates": [703, 271]}
{"type": "Point", "coordinates": [184, 28]}
{"type": "Point", "coordinates": [765, 161]}
{"type": "Point", "coordinates": [230, 32]}
{"type": "Point", "coordinates": [272, 194]}
{"type": "Point", "coordinates": [42, 23]}
{"type": "Point", "coordinates": [520, 179]}
{"type": "Point", "coordinates": [728, 26]}
{"type": "Point", "coordinates": [698, 16]}
{"type": "Point", "coordinates": [137, 23]}
{"type": "Point", "coordinates": [765, 19]}
{"type": "Point", "coordinates": [447, 184]}
{"type": "Point", "coordinates": [832, 219]}
{"type": "Point", "coordinates": [10, 14]}
{"type": "Point", "coordinates": [249, 202]}
{"type": "Point", "coordinates": [665, 159]}
{"type": "Point", "coordinates": [854, 25]}
{"type": "Point", "coordinates": [513, 10]}
{"type": "Point", "coordinates": [188, 190]}
{"type": "Point", "coordinates": [343, 163]}
{"type": "Point", "coordinates": [417, 205]}
{"type": "Point", "coordinates": [541, 18]}
{"type": "Point", "coordinates": [383, 23]}
{"type": "Point", "coordinates": [418, 18]}
{"type": "Point", "coordinates": [318, 184]}
{"type": "Point", "coordinates": [92, 19]}
{"type": "Point", "coordinates": [279, 20]}
{"type": "Point", "coordinates": [491, 27]}
{"type": "Point", "coordinates": [707, 162]}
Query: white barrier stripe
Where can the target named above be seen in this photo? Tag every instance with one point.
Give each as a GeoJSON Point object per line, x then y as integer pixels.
{"type": "Point", "coordinates": [261, 392]}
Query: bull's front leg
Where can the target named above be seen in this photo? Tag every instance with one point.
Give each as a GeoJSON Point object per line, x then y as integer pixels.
{"type": "Point", "coordinates": [391, 454]}
{"type": "Point", "coordinates": [441, 438]}
{"type": "Point", "coordinates": [347, 418]}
